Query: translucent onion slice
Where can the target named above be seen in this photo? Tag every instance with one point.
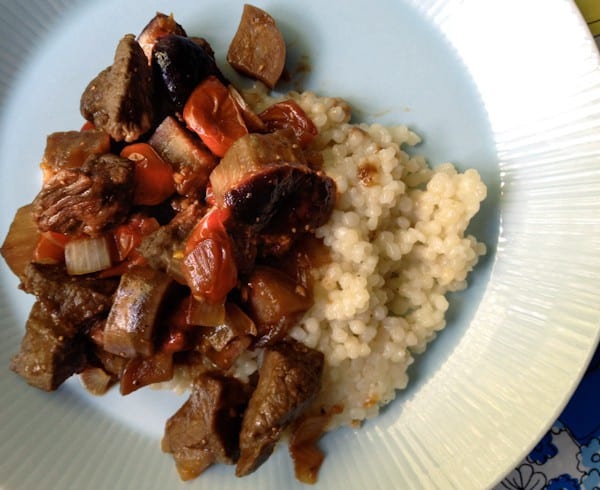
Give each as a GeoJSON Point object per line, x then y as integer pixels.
{"type": "Point", "coordinates": [86, 255]}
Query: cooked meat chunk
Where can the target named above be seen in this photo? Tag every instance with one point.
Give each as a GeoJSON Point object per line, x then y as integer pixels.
{"type": "Point", "coordinates": [130, 326]}
{"type": "Point", "coordinates": [70, 149]}
{"type": "Point", "coordinates": [258, 48]}
{"type": "Point", "coordinates": [86, 200]}
{"type": "Point", "coordinates": [289, 380]}
{"type": "Point", "coordinates": [51, 350]}
{"type": "Point", "coordinates": [163, 249]}
{"type": "Point", "coordinates": [205, 429]}
{"type": "Point", "coordinates": [73, 299]}
{"type": "Point", "coordinates": [265, 181]}
{"type": "Point", "coordinates": [119, 99]}
{"type": "Point", "coordinates": [190, 158]}
{"type": "Point", "coordinates": [161, 25]}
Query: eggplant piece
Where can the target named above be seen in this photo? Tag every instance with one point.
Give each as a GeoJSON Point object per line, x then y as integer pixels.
{"type": "Point", "coordinates": [143, 371]}
{"type": "Point", "coordinates": [265, 182]}
{"type": "Point", "coordinates": [289, 379]}
{"type": "Point", "coordinates": [258, 48]}
{"type": "Point", "coordinates": [119, 99]}
{"type": "Point", "coordinates": [51, 350]}
{"type": "Point", "coordinates": [161, 25]}
{"type": "Point", "coordinates": [205, 429]}
{"type": "Point", "coordinates": [131, 322]}
{"type": "Point", "coordinates": [191, 160]}
{"type": "Point", "coordinates": [179, 64]}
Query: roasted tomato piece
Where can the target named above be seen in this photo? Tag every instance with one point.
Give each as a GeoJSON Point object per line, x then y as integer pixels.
{"type": "Point", "coordinates": [209, 265]}
{"type": "Point", "coordinates": [289, 115]}
{"type": "Point", "coordinates": [212, 113]}
{"type": "Point", "coordinates": [152, 178]}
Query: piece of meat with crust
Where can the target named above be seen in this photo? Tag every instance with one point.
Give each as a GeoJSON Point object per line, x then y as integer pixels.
{"type": "Point", "coordinates": [289, 380]}
{"type": "Point", "coordinates": [119, 99]}
{"type": "Point", "coordinates": [51, 350]}
{"type": "Point", "coordinates": [89, 199]}
{"type": "Point", "coordinates": [205, 429]}
{"type": "Point", "coordinates": [73, 299]}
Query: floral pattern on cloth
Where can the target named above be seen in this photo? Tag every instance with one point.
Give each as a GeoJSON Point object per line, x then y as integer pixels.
{"type": "Point", "coordinates": [568, 456]}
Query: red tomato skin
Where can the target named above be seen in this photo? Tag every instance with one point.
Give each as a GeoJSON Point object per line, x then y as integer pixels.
{"type": "Point", "coordinates": [153, 177]}
{"type": "Point", "coordinates": [212, 113]}
{"type": "Point", "coordinates": [289, 115]}
{"type": "Point", "coordinates": [209, 265]}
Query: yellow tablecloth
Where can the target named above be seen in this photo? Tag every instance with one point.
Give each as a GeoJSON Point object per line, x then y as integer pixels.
{"type": "Point", "coordinates": [591, 11]}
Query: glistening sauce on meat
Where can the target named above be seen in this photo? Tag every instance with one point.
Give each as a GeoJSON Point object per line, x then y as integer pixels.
{"type": "Point", "coordinates": [261, 250]}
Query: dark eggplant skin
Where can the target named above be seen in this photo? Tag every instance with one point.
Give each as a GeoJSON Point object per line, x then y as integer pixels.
{"type": "Point", "coordinates": [179, 64]}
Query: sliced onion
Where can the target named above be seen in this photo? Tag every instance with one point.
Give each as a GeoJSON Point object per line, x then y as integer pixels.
{"type": "Point", "coordinates": [203, 313]}
{"type": "Point", "coordinates": [20, 242]}
{"type": "Point", "coordinates": [96, 380]}
{"type": "Point", "coordinates": [86, 255]}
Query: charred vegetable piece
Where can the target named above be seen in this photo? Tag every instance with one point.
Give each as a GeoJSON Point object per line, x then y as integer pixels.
{"type": "Point", "coordinates": [265, 182]}
{"type": "Point", "coordinates": [275, 302]}
{"type": "Point", "coordinates": [21, 241]}
{"type": "Point", "coordinates": [288, 381]}
{"type": "Point", "coordinates": [131, 323]}
{"type": "Point", "coordinates": [73, 299]}
{"type": "Point", "coordinates": [205, 429]}
{"type": "Point", "coordinates": [51, 350]}
{"type": "Point", "coordinates": [179, 64]}
{"type": "Point", "coordinates": [70, 149]}
{"type": "Point", "coordinates": [143, 371]}
{"type": "Point", "coordinates": [87, 200]}
{"type": "Point", "coordinates": [258, 48]}
{"type": "Point", "coordinates": [161, 25]}
{"type": "Point", "coordinates": [212, 113]}
{"type": "Point", "coordinates": [209, 265]}
{"type": "Point", "coordinates": [289, 115]}
{"type": "Point", "coordinates": [127, 238]}
{"type": "Point", "coordinates": [119, 99]}
{"type": "Point", "coordinates": [189, 157]}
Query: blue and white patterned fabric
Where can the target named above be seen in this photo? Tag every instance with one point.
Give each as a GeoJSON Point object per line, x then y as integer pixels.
{"type": "Point", "coordinates": [568, 456]}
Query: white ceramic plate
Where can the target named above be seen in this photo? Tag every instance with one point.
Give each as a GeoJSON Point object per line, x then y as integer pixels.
{"type": "Point", "coordinates": [510, 87]}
